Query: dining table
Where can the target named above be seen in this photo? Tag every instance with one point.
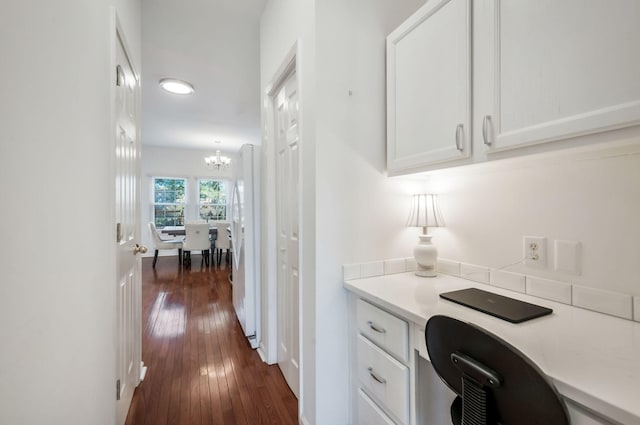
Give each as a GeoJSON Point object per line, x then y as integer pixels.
{"type": "Point", "coordinates": [179, 231]}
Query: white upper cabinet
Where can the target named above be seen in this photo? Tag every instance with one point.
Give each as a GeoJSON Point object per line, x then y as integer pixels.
{"type": "Point", "coordinates": [429, 87]}
{"type": "Point", "coordinates": [558, 69]}
{"type": "Point", "coordinates": [543, 71]}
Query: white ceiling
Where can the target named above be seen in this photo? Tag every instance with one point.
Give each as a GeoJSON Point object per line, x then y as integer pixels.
{"type": "Point", "coordinates": [213, 44]}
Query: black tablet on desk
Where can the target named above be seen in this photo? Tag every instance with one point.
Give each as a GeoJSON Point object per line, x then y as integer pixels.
{"type": "Point", "coordinates": [509, 309]}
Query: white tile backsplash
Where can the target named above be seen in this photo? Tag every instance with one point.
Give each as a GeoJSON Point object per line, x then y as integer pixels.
{"type": "Point", "coordinates": [375, 268]}
{"type": "Point", "coordinates": [448, 267]}
{"type": "Point", "coordinates": [549, 289]}
{"type": "Point", "coordinates": [351, 271]}
{"type": "Point", "coordinates": [608, 302]}
{"type": "Point", "coordinates": [508, 280]}
{"type": "Point", "coordinates": [475, 273]}
{"type": "Point", "coordinates": [396, 265]}
{"type": "Point", "coordinates": [410, 264]}
{"type": "Point", "coordinates": [621, 305]}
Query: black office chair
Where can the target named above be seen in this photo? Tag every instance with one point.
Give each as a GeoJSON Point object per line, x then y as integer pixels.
{"type": "Point", "coordinates": [495, 383]}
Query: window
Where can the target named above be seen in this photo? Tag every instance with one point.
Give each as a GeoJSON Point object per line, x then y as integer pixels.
{"type": "Point", "coordinates": [169, 201]}
{"type": "Point", "coordinates": [213, 200]}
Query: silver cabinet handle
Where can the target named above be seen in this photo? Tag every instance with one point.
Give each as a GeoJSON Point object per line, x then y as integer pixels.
{"type": "Point", "coordinates": [485, 129]}
{"type": "Point", "coordinates": [459, 128]}
{"type": "Point", "coordinates": [376, 328]}
{"type": "Point", "coordinates": [375, 376]}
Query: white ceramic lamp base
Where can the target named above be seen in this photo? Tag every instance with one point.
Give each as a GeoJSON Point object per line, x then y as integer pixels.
{"type": "Point", "coordinates": [426, 255]}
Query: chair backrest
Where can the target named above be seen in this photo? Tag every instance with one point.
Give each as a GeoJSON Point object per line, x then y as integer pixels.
{"type": "Point", "coordinates": [196, 236]}
{"type": "Point", "coordinates": [494, 381]}
{"type": "Point", "coordinates": [154, 233]}
{"type": "Point", "coordinates": [222, 239]}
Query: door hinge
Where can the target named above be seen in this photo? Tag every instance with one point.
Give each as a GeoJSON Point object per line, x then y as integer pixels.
{"type": "Point", "coordinates": [118, 390]}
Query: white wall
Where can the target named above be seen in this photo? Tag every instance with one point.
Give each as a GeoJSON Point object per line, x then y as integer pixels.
{"type": "Point", "coordinates": [590, 196]}
{"type": "Point", "coordinates": [360, 213]}
{"type": "Point", "coordinates": [350, 207]}
{"type": "Point", "coordinates": [57, 295]}
{"type": "Point", "coordinates": [180, 163]}
{"type": "Point", "coordinates": [286, 24]}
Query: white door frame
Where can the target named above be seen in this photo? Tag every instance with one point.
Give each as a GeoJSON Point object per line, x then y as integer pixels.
{"type": "Point", "coordinates": [268, 345]}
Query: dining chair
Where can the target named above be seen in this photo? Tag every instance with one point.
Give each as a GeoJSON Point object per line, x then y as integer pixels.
{"type": "Point", "coordinates": [159, 243]}
{"type": "Point", "coordinates": [196, 239]}
{"type": "Point", "coordinates": [223, 241]}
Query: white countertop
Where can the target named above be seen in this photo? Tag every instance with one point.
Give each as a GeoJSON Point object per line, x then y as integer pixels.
{"type": "Point", "coordinates": [593, 358]}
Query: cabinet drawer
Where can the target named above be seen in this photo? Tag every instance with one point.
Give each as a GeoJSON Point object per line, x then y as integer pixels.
{"type": "Point", "coordinates": [385, 378]}
{"type": "Point", "coordinates": [369, 413]}
{"type": "Point", "coordinates": [384, 329]}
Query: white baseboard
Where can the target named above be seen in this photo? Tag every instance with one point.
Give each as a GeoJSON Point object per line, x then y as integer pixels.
{"type": "Point", "coordinates": [262, 355]}
{"type": "Point", "coordinates": [304, 421]}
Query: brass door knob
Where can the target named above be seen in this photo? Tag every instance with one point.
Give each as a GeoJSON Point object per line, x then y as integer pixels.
{"type": "Point", "coordinates": [139, 249]}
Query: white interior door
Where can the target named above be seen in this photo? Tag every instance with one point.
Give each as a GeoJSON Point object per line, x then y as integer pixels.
{"type": "Point", "coordinates": [287, 143]}
{"type": "Point", "coordinates": [128, 284]}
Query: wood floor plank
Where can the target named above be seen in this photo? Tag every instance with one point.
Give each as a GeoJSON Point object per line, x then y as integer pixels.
{"type": "Point", "coordinates": [201, 369]}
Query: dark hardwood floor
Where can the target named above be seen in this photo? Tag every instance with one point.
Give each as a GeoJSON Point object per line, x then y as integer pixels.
{"type": "Point", "coordinates": [201, 369]}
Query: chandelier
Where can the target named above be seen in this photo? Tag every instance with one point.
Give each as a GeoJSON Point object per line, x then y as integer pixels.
{"type": "Point", "coordinates": [218, 161]}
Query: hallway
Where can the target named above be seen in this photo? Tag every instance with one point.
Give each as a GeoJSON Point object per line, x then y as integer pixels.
{"type": "Point", "coordinates": [201, 369]}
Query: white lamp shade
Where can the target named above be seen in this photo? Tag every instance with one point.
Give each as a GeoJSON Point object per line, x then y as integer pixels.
{"type": "Point", "coordinates": [425, 211]}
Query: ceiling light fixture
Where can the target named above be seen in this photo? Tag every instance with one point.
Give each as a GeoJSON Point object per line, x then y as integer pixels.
{"type": "Point", "coordinates": [173, 85]}
{"type": "Point", "coordinates": [218, 161]}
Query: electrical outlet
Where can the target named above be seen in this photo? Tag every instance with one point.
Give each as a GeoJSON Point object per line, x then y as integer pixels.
{"type": "Point", "coordinates": [535, 251]}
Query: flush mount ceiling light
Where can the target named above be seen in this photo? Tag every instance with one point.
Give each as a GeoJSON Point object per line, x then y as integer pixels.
{"type": "Point", "coordinates": [173, 85]}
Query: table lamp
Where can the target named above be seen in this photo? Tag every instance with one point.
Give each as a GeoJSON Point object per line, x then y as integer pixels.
{"type": "Point", "coordinates": [425, 213]}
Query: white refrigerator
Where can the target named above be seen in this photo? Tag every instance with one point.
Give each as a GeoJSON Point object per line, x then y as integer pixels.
{"type": "Point", "coordinates": [245, 241]}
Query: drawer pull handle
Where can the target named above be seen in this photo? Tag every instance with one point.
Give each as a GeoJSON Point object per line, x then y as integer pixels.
{"type": "Point", "coordinates": [485, 129]}
{"type": "Point", "coordinates": [375, 376]}
{"type": "Point", "coordinates": [376, 328]}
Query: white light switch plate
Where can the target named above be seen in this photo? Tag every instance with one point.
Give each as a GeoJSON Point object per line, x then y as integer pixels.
{"type": "Point", "coordinates": [567, 256]}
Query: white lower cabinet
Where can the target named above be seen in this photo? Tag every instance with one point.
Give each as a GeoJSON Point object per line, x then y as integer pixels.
{"type": "Point", "coordinates": [384, 329]}
{"type": "Point", "coordinates": [392, 381]}
{"type": "Point", "coordinates": [380, 366]}
{"type": "Point", "coordinates": [384, 377]}
{"type": "Point", "coordinates": [369, 413]}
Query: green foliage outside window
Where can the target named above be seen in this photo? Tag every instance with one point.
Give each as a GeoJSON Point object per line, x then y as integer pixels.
{"type": "Point", "coordinates": [169, 199]}
{"type": "Point", "coordinates": [213, 200]}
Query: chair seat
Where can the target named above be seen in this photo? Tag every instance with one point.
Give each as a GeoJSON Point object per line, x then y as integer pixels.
{"type": "Point", "coordinates": [159, 243]}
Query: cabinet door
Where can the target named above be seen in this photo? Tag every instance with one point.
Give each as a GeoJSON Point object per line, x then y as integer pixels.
{"type": "Point", "coordinates": [429, 87]}
{"type": "Point", "coordinates": [560, 69]}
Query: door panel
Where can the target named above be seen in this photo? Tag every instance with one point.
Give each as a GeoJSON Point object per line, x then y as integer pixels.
{"type": "Point", "coordinates": [555, 76]}
{"type": "Point", "coordinates": [126, 168]}
{"type": "Point", "coordinates": [287, 204]}
{"type": "Point", "coordinates": [429, 87]}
